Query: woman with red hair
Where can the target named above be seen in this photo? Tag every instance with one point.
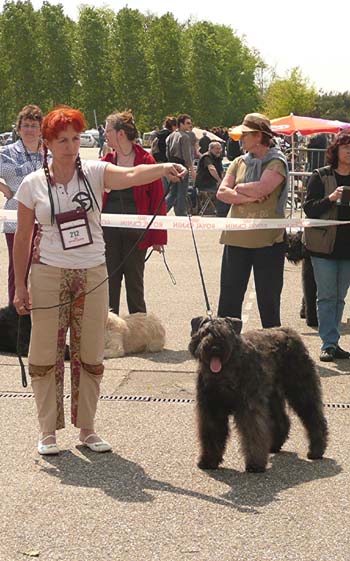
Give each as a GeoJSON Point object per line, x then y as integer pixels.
{"type": "Point", "coordinates": [68, 272]}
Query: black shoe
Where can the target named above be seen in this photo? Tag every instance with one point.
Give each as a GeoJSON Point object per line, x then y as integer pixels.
{"type": "Point", "coordinates": [340, 353]}
{"type": "Point", "coordinates": [327, 355]}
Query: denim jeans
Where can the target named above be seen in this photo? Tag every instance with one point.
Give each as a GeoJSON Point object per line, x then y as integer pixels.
{"type": "Point", "coordinates": [333, 280]}
{"type": "Point", "coordinates": [177, 197]}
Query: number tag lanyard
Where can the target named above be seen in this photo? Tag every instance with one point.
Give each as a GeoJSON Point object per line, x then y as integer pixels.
{"type": "Point", "coordinates": [74, 228]}
{"type": "Point", "coordinates": [73, 225]}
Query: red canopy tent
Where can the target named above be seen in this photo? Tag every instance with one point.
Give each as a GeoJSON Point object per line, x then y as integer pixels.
{"type": "Point", "coordinates": [305, 125]}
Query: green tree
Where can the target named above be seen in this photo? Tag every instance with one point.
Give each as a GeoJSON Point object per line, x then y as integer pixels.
{"type": "Point", "coordinates": [127, 60]}
{"type": "Point", "coordinates": [240, 70]}
{"type": "Point", "coordinates": [19, 42]}
{"type": "Point", "coordinates": [128, 63]}
{"type": "Point", "coordinates": [292, 94]}
{"type": "Point", "coordinates": [166, 86]}
{"type": "Point", "coordinates": [333, 105]}
{"type": "Point", "coordinates": [56, 45]}
{"type": "Point", "coordinates": [94, 89]}
{"type": "Point", "coordinates": [205, 74]}
{"type": "Point", "coordinates": [6, 107]}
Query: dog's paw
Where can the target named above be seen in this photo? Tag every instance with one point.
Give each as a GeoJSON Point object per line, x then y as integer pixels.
{"type": "Point", "coordinates": [205, 464]}
{"type": "Point", "coordinates": [253, 468]}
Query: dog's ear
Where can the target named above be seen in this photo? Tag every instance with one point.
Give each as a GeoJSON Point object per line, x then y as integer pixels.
{"type": "Point", "coordinates": [235, 323]}
{"type": "Point", "coordinates": [196, 324]}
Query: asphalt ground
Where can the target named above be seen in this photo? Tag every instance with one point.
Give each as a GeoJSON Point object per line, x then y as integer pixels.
{"type": "Point", "coordinates": [147, 500]}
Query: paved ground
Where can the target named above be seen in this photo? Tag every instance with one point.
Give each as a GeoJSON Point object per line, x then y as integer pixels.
{"type": "Point", "coordinates": [147, 501]}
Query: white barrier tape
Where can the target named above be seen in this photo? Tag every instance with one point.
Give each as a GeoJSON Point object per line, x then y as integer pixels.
{"type": "Point", "coordinates": [198, 222]}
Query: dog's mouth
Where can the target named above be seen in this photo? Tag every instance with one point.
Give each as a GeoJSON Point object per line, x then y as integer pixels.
{"type": "Point", "coordinates": [215, 364]}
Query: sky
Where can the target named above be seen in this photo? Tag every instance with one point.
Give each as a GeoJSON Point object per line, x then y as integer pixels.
{"type": "Point", "coordinates": [302, 33]}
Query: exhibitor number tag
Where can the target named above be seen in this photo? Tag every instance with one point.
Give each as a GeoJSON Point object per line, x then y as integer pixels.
{"type": "Point", "coordinates": [74, 228]}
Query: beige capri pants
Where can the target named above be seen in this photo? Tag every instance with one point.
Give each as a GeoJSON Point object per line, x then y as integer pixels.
{"type": "Point", "coordinates": [86, 317]}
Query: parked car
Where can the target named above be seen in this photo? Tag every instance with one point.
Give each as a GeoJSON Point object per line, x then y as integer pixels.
{"type": "Point", "coordinates": [87, 140]}
{"type": "Point", "coordinates": [94, 133]}
{"type": "Point", "coordinates": [147, 139]}
{"type": "Point", "coordinates": [5, 137]}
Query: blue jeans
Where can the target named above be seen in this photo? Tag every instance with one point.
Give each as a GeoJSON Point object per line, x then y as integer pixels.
{"type": "Point", "coordinates": [332, 278]}
{"type": "Point", "coordinates": [177, 197]}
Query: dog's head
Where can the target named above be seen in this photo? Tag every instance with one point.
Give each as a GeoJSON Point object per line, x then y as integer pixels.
{"type": "Point", "coordinates": [295, 250]}
{"type": "Point", "coordinates": [213, 340]}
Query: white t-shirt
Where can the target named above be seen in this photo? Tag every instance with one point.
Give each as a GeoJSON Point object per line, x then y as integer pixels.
{"type": "Point", "coordinates": [33, 193]}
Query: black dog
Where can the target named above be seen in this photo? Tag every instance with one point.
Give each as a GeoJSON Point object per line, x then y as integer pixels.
{"type": "Point", "coordinates": [9, 324]}
{"type": "Point", "coordinates": [251, 377]}
{"type": "Point", "coordinates": [295, 253]}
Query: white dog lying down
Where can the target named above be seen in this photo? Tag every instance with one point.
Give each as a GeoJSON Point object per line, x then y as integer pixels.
{"type": "Point", "coordinates": [135, 333]}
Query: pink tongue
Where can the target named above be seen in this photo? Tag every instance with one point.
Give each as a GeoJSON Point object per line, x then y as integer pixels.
{"type": "Point", "coordinates": [215, 364]}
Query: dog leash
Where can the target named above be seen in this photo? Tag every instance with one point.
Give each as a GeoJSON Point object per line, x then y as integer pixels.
{"type": "Point", "coordinates": [18, 352]}
{"type": "Point", "coordinates": [173, 280]}
{"type": "Point", "coordinates": [209, 312]}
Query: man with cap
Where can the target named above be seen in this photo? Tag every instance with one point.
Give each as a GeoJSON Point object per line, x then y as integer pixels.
{"type": "Point", "coordinates": [256, 186]}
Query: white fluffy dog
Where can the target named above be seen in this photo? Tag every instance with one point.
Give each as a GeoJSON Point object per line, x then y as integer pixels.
{"type": "Point", "coordinates": [135, 333]}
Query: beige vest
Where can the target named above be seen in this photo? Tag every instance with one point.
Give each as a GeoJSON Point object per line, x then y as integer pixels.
{"type": "Point", "coordinates": [266, 209]}
{"type": "Point", "coordinates": [321, 239]}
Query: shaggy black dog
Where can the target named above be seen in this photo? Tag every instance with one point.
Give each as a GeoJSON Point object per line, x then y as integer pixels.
{"type": "Point", "coordinates": [251, 377]}
{"type": "Point", "coordinates": [9, 331]}
{"type": "Point", "coordinates": [295, 253]}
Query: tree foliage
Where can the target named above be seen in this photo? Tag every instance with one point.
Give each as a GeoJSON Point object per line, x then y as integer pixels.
{"type": "Point", "coordinates": [155, 66]}
{"type": "Point", "coordinates": [333, 106]}
{"type": "Point", "coordinates": [292, 94]}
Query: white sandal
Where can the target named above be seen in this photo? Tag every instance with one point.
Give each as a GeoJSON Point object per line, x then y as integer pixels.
{"type": "Point", "coordinates": [100, 446]}
{"type": "Point", "coordinates": [47, 449]}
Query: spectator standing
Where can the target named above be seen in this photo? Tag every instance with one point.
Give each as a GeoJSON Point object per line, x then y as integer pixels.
{"type": "Point", "coordinates": [233, 149]}
{"type": "Point", "coordinates": [158, 146]}
{"type": "Point", "coordinates": [17, 160]}
{"type": "Point", "coordinates": [327, 199]}
{"type": "Point", "coordinates": [179, 150]}
{"type": "Point", "coordinates": [204, 143]}
{"type": "Point", "coordinates": [316, 155]}
{"type": "Point", "coordinates": [256, 186]}
{"type": "Point", "coordinates": [129, 263]}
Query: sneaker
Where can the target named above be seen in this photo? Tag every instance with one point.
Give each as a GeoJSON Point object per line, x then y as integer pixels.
{"type": "Point", "coordinates": [340, 353]}
{"type": "Point", "coordinates": [327, 355]}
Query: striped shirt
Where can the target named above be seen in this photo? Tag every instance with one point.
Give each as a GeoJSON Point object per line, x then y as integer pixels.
{"type": "Point", "coordinates": [16, 162]}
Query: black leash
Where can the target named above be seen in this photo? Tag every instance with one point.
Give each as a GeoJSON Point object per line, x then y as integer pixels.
{"type": "Point", "coordinates": [209, 312]}
{"type": "Point", "coordinates": [18, 352]}
{"type": "Point", "coordinates": [173, 280]}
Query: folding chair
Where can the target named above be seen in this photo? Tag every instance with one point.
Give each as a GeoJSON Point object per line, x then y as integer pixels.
{"type": "Point", "coordinates": [206, 202]}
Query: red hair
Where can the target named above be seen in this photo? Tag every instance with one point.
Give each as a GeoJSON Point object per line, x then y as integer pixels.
{"type": "Point", "coordinates": [58, 120]}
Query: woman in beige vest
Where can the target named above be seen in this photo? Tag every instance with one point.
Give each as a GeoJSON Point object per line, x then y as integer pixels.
{"type": "Point", "coordinates": [256, 186]}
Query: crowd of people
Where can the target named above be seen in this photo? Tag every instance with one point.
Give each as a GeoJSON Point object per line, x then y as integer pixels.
{"type": "Point", "coordinates": [58, 239]}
